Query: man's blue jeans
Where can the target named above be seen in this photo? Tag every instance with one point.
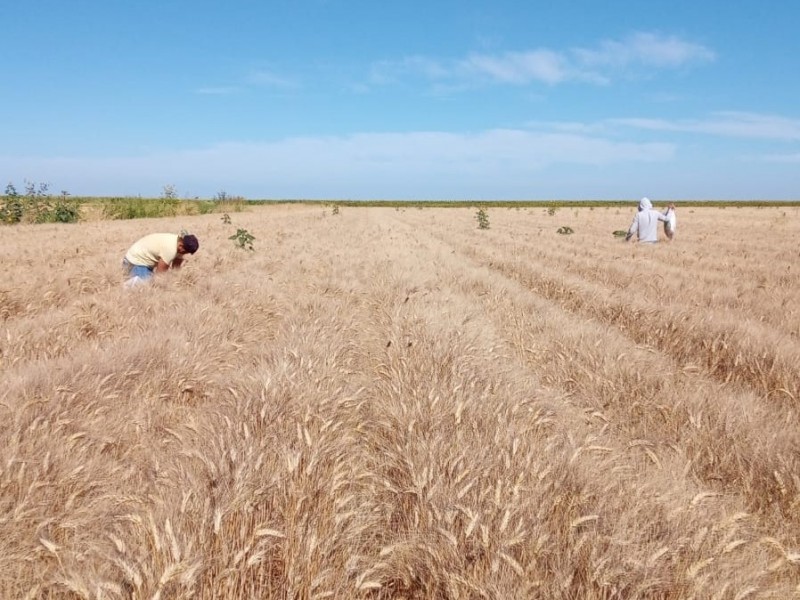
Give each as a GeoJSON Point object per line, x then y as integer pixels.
{"type": "Point", "coordinates": [136, 270]}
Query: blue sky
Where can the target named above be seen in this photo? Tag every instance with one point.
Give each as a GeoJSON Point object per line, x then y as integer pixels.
{"type": "Point", "coordinates": [403, 100]}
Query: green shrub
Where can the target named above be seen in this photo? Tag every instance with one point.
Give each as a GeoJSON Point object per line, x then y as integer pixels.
{"type": "Point", "coordinates": [565, 230]}
{"type": "Point", "coordinates": [483, 218]}
{"type": "Point", "coordinates": [243, 239]}
{"type": "Point", "coordinates": [205, 207]}
{"type": "Point", "coordinates": [11, 206]}
{"type": "Point", "coordinates": [228, 203]}
{"type": "Point", "coordinates": [37, 206]}
{"type": "Point", "coordinates": [138, 208]}
{"type": "Point", "coordinates": [65, 212]}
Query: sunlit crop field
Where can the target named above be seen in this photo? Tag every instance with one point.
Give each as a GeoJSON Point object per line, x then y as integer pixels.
{"type": "Point", "coordinates": [393, 403]}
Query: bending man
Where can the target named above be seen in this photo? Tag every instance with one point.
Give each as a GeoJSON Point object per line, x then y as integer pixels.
{"type": "Point", "coordinates": [158, 252]}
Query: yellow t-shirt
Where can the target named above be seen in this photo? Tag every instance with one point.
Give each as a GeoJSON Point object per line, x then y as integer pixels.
{"type": "Point", "coordinates": [146, 251]}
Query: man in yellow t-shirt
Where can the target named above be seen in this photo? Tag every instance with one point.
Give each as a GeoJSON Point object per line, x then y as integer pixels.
{"type": "Point", "coordinates": [158, 252]}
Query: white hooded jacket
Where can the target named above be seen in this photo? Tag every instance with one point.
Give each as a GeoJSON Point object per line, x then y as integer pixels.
{"type": "Point", "coordinates": [645, 223]}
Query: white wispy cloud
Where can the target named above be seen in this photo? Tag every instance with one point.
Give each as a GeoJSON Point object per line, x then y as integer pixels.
{"type": "Point", "coordinates": [254, 79]}
{"type": "Point", "coordinates": [598, 65]}
{"type": "Point", "coordinates": [646, 49]}
{"type": "Point", "coordinates": [546, 66]}
{"type": "Point", "coordinates": [596, 128]}
{"type": "Point", "coordinates": [270, 79]}
{"type": "Point", "coordinates": [369, 165]}
{"type": "Point", "coordinates": [724, 123]}
{"type": "Point", "coordinates": [218, 91]}
{"type": "Point", "coordinates": [386, 71]}
{"type": "Point", "coordinates": [783, 158]}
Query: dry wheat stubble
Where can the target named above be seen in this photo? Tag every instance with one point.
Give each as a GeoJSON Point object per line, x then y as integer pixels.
{"type": "Point", "coordinates": [345, 413]}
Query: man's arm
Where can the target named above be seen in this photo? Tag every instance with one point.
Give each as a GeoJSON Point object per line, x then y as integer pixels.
{"type": "Point", "coordinates": [161, 266]}
{"type": "Point", "coordinates": [632, 229]}
{"type": "Point", "coordinates": [177, 262]}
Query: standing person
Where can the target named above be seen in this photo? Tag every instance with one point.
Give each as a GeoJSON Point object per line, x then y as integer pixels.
{"type": "Point", "coordinates": [645, 223]}
{"type": "Point", "coordinates": [157, 252]}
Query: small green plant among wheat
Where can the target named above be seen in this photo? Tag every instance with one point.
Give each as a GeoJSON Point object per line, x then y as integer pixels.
{"type": "Point", "coordinates": [620, 233]}
{"type": "Point", "coordinates": [335, 210]}
{"type": "Point", "coordinates": [226, 218]}
{"type": "Point", "coordinates": [552, 210]}
{"type": "Point", "coordinates": [243, 239]}
{"type": "Point", "coordinates": [483, 218]}
{"type": "Point", "coordinates": [565, 230]}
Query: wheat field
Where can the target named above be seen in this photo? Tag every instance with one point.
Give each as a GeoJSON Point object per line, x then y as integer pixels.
{"type": "Point", "coordinates": [393, 403]}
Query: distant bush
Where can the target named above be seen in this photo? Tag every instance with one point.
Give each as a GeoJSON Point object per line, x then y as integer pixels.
{"type": "Point", "coordinates": [65, 211]}
{"type": "Point", "coordinates": [37, 206]}
{"type": "Point", "coordinates": [565, 230]}
{"type": "Point", "coordinates": [169, 192]}
{"type": "Point", "coordinates": [227, 203]}
{"type": "Point", "coordinates": [483, 219]}
{"type": "Point", "coordinates": [140, 208]}
{"type": "Point", "coordinates": [205, 207]}
{"type": "Point", "coordinates": [12, 208]}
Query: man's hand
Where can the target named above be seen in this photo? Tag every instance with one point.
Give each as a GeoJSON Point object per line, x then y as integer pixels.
{"type": "Point", "coordinates": [161, 266]}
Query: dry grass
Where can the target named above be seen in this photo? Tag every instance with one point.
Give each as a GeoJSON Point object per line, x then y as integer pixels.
{"type": "Point", "coordinates": [393, 404]}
